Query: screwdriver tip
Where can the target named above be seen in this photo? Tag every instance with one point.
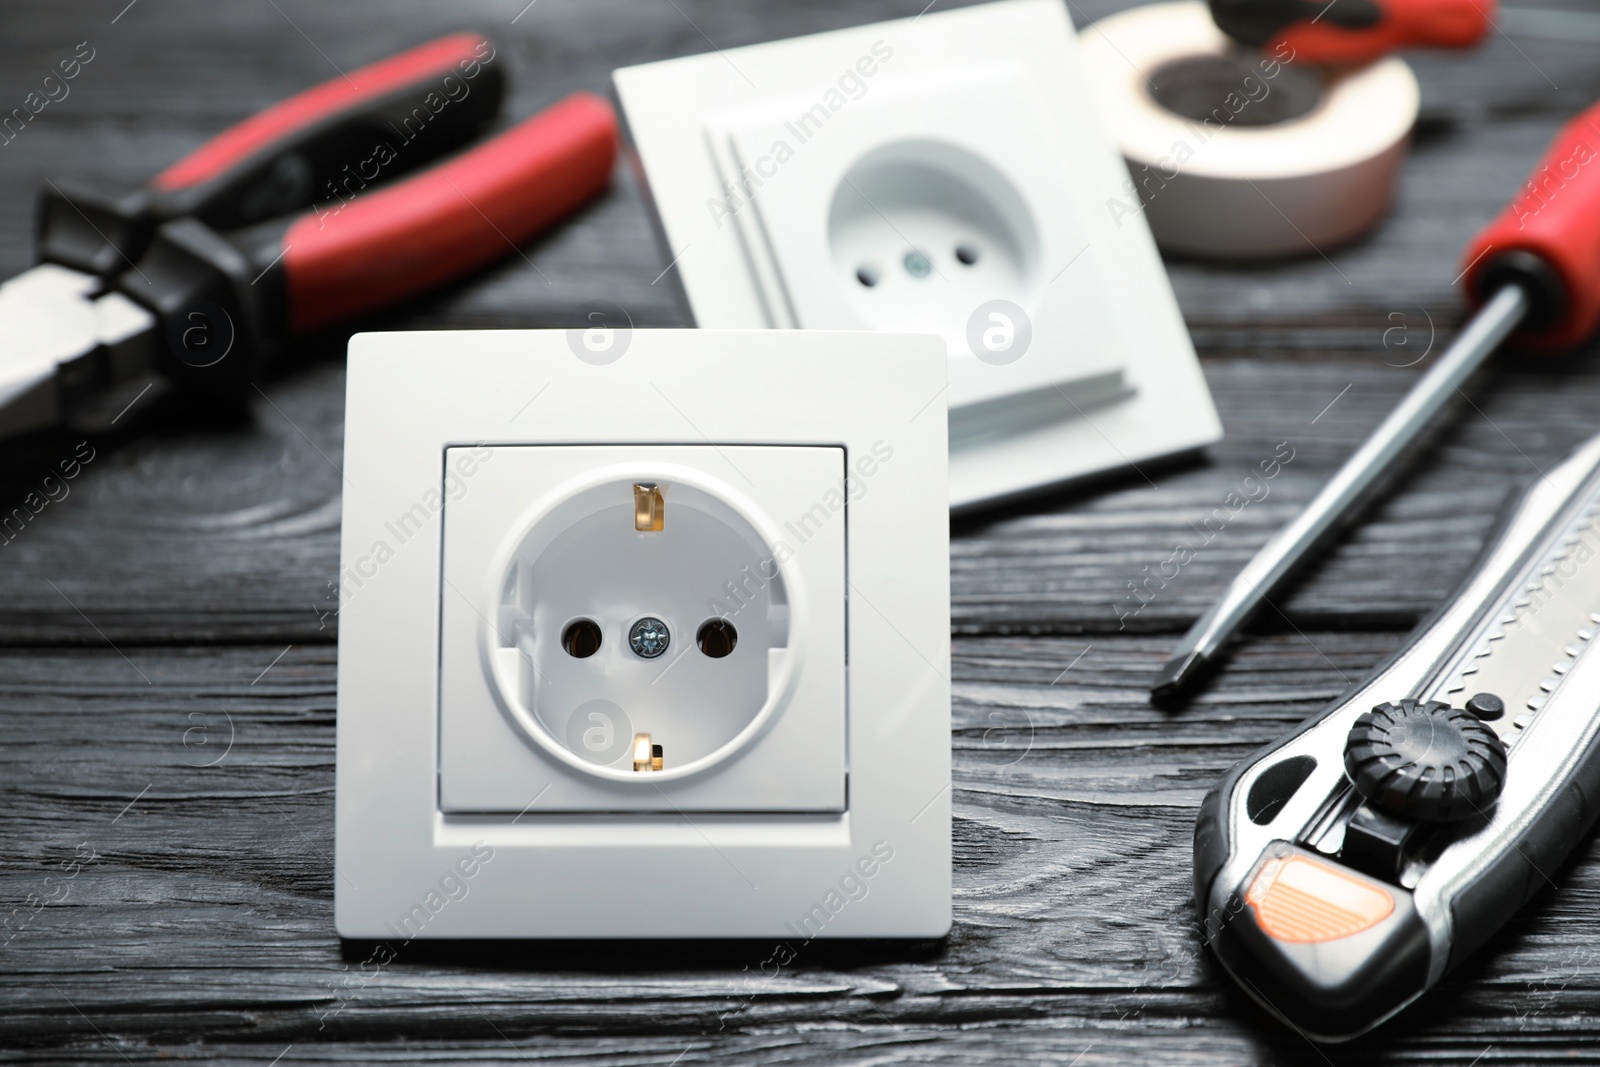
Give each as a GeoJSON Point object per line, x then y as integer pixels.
{"type": "Point", "coordinates": [1176, 675]}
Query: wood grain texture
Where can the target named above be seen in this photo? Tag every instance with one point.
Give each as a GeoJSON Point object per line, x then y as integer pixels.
{"type": "Point", "coordinates": [167, 656]}
{"type": "Point", "coordinates": [202, 923]}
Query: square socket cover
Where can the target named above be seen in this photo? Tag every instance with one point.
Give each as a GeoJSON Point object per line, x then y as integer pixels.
{"type": "Point", "coordinates": [869, 405]}
{"type": "Point", "coordinates": [944, 173]}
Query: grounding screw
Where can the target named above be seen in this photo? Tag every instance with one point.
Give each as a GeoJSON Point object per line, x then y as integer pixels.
{"type": "Point", "coordinates": [649, 637]}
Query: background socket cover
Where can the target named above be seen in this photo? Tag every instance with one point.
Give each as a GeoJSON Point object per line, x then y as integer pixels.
{"type": "Point", "coordinates": [945, 174]}
{"type": "Point", "coordinates": [489, 503]}
{"type": "Point", "coordinates": [543, 538]}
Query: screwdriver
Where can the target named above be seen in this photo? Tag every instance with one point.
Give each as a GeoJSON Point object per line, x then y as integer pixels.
{"type": "Point", "coordinates": [1352, 31]}
{"type": "Point", "coordinates": [1534, 271]}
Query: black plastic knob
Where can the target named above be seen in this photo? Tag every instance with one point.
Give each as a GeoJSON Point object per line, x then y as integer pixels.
{"type": "Point", "coordinates": [1487, 707]}
{"type": "Point", "coordinates": [1429, 762]}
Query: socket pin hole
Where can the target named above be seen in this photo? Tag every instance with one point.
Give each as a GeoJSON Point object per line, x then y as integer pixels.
{"type": "Point", "coordinates": [867, 275]}
{"type": "Point", "coordinates": [716, 637]}
{"type": "Point", "coordinates": [581, 638]}
{"type": "Point", "coordinates": [967, 254]}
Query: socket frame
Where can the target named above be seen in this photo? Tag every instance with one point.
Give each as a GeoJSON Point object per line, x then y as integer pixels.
{"type": "Point", "coordinates": [402, 864]}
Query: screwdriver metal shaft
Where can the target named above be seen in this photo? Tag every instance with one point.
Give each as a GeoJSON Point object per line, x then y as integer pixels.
{"type": "Point", "coordinates": [1344, 493]}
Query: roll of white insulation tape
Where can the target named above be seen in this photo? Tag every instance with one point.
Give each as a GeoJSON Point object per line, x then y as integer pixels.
{"type": "Point", "coordinates": [1242, 154]}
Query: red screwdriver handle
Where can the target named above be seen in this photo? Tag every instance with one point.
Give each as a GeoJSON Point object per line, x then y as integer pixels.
{"type": "Point", "coordinates": [1548, 240]}
{"type": "Point", "coordinates": [1402, 24]}
{"type": "Point", "coordinates": [407, 238]}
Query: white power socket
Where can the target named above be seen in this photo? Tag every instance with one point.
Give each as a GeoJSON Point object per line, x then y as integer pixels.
{"type": "Point", "coordinates": [943, 174]}
{"type": "Point", "coordinates": [536, 647]}
{"type": "Point", "coordinates": [670, 603]}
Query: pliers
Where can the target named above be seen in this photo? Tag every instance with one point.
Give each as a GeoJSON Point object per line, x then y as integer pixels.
{"type": "Point", "coordinates": [291, 221]}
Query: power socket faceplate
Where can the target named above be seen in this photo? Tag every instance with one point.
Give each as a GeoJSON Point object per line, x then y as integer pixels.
{"type": "Point", "coordinates": [945, 173]}
{"type": "Point", "coordinates": [504, 490]}
{"type": "Point", "coordinates": [742, 542]}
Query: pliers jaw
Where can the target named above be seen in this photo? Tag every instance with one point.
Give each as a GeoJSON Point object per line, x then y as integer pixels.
{"type": "Point", "coordinates": [70, 340]}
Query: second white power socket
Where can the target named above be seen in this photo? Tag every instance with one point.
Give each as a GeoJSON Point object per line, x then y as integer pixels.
{"type": "Point", "coordinates": [943, 174]}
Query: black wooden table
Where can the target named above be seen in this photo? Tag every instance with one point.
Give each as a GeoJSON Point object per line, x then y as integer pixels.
{"type": "Point", "coordinates": [167, 628]}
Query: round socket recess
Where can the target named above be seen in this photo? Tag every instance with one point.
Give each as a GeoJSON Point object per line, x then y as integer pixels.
{"type": "Point", "coordinates": [584, 558]}
{"type": "Point", "coordinates": [922, 232]}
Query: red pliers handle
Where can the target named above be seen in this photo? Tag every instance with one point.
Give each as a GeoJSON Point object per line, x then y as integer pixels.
{"type": "Point", "coordinates": [345, 258]}
{"type": "Point", "coordinates": [286, 157]}
{"type": "Point", "coordinates": [1347, 32]}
